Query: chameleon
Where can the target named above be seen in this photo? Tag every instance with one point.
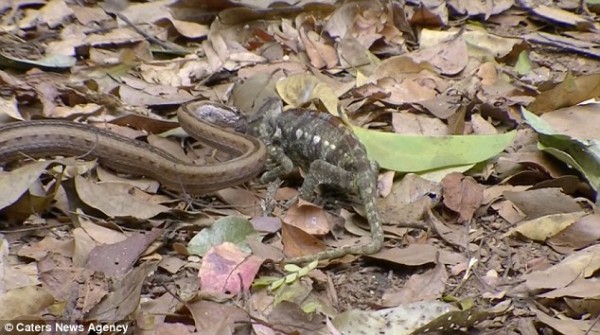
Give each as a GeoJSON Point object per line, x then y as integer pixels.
{"type": "Point", "coordinates": [329, 153]}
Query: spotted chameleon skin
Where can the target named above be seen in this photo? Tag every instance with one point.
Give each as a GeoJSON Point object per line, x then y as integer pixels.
{"type": "Point", "coordinates": [307, 135]}
{"type": "Point", "coordinates": [329, 153]}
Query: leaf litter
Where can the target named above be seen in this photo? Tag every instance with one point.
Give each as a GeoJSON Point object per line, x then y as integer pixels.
{"type": "Point", "coordinates": [481, 117]}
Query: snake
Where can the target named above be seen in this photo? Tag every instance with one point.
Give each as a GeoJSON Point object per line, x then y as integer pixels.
{"type": "Point", "coordinates": [53, 137]}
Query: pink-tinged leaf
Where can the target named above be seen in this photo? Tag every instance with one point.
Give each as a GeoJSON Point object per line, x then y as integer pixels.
{"type": "Point", "coordinates": [227, 270]}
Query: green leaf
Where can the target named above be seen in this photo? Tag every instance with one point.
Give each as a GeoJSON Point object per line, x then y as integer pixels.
{"type": "Point", "coordinates": [276, 284]}
{"type": "Point", "coordinates": [291, 278]}
{"type": "Point", "coordinates": [523, 65]}
{"type": "Point", "coordinates": [264, 281]}
{"type": "Point", "coordinates": [411, 153]}
{"type": "Point", "coordinates": [581, 154]}
{"type": "Point", "coordinates": [228, 229]}
{"type": "Point", "coordinates": [291, 268]}
{"type": "Point", "coordinates": [49, 62]}
{"type": "Point", "coordinates": [304, 271]}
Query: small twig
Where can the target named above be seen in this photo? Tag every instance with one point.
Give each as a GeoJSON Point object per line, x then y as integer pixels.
{"type": "Point", "coordinates": [175, 48]}
{"type": "Point", "coordinates": [588, 331]}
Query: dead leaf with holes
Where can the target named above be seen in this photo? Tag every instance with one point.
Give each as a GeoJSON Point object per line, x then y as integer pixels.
{"type": "Point", "coordinates": [117, 259]}
{"type": "Point", "coordinates": [67, 281]}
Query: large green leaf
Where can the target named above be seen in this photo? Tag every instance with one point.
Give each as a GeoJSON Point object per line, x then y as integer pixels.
{"type": "Point", "coordinates": [412, 153]}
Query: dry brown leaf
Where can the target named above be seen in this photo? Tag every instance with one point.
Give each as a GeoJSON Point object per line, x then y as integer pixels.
{"type": "Point", "coordinates": [411, 90]}
{"type": "Point", "coordinates": [494, 192]}
{"type": "Point", "coordinates": [244, 201]}
{"type": "Point", "coordinates": [265, 251]}
{"type": "Point", "coordinates": [481, 126]}
{"type": "Point", "coordinates": [462, 195]}
{"type": "Point", "coordinates": [47, 245]}
{"type": "Point", "coordinates": [399, 65]}
{"type": "Point", "coordinates": [286, 193]}
{"type": "Point", "coordinates": [455, 235]}
{"type": "Point", "coordinates": [266, 224]}
{"type": "Point", "coordinates": [29, 300]}
{"type": "Point", "coordinates": [581, 264]}
{"type": "Point", "coordinates": [571, 91]}
{"type": "Point", "coordinates": [54, 13]}
{"type": "Point", "coordinates": [541, 202]}
{"type": "Point", "coordinates": [475, 8]}
{"type": "Point", "coordinates": [16, 182]}
{"type": "Point", "coordinates": [8, 107]}
{"type": "Point", "coordinates": [122, 302]}
{"type": "Point", "coordinates": [319, 50]}
{"type": "Point", "coordinates": [442, 106]}
{"type": "Point", "coordinates": [298, 90]}
{"type": "Point", "coordinates": [582, 233]}
{"type": "Point", "coordinates": [83, 245]}
{"type": "Point", "coordinates": [508, 211]}
{"type": "Point", "coordinates": [562, 16]}
{"type": "Point", "coordinates": [115, 200]}
{"type": "Point", "coordinates": [385, 183]}
{"type": "Point", "coordinates": [418, 124]}
{"type": "Point", "coordinates": [143, 184]}
{"type": "Point", "coordinates": [68, 282]}
{"type": "Point", "coordinates": [298, 243]}
{"type": "Point", "coordinates": [89, 15]}
{"type": "Point", "coordinates": [544, 227]}
{"type": "Point", "coordinates": [308, 217]}
{"type": "Point", "coordinates": [211, 316]}
{"type": "Point", "coordinates": [536, 160]}
{"type": "Point", "coordinates": [117, 36]}
{"type": "Point", "coordinates": [580, 288]}
{"type": "Point", "coordinates": [153, 95]}
{"type": "Point", "coordinates": [582, 121]}
{"type": "Point", "coordinates": [289, 315]}
{"type": "Point", "coordinates": [432, 13]}
{"type": "Point", "coordinates": [116, 259]}
{"type": "Point", "coordinates": [418, 254]}
{"type": "Point", "coordinates": [447, 57]}
{"type": "Point", "coordinates": [15, 275]}
{"type": "Point", "coordinates": [366, 22]}
{"type": "Point", "coordinates": [355, 56]}
{"type": "Point", "coordinates": [409, 200]}
{"type": "Point", "coordinates": [101, 234]}
{"type": "Point", "coordinates": [419, 287]}
{"type": "Point", "coordinates": [567, 325]}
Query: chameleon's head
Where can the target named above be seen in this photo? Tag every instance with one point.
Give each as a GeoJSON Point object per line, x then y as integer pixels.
{"type": "Point", "coordinates": [262, 123]}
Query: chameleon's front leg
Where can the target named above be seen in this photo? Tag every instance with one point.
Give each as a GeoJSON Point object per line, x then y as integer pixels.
{"type": "Point", "coordinates": [282, 165]}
